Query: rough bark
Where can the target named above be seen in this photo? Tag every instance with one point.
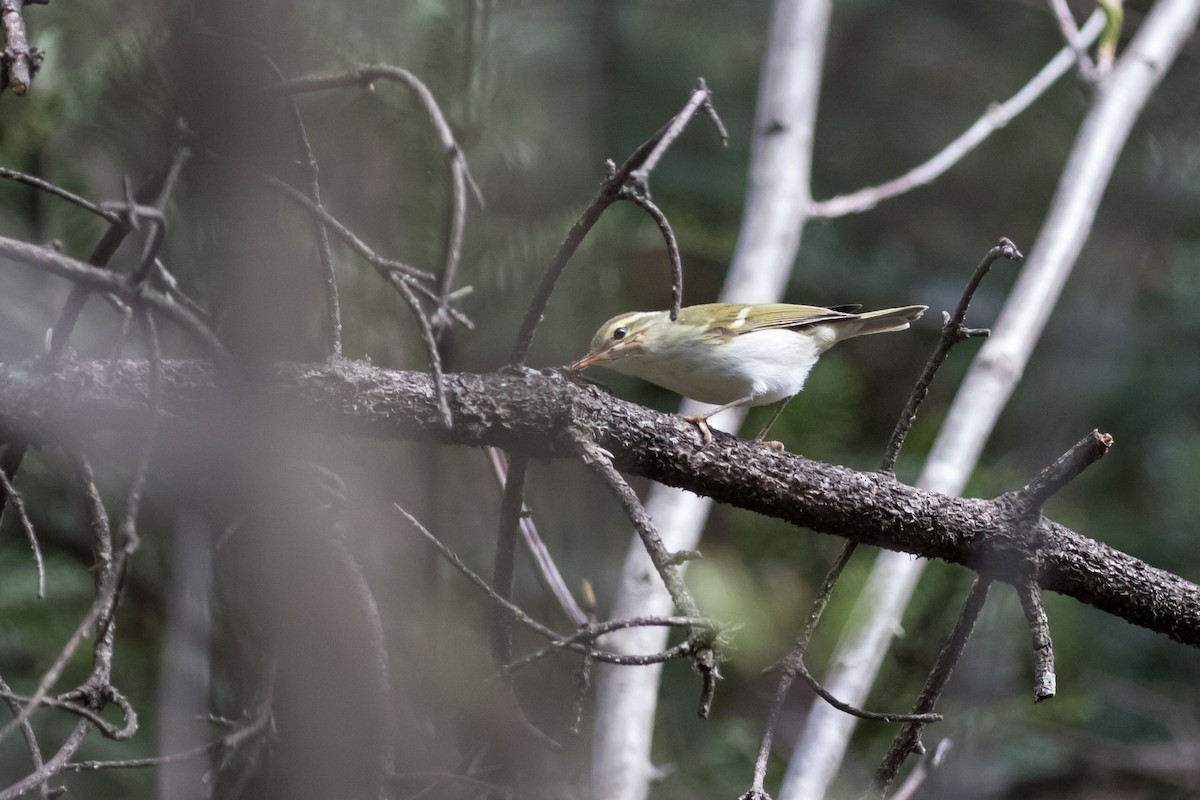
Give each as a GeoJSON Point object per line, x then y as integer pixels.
{"type": "Point", "coordinates": [537, 414]}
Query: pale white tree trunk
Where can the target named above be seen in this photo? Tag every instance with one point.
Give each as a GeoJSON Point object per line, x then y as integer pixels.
{"type": "Point", "coordinates": [776, 208]}
{"type": "Point", "coordinates": [990, 382]}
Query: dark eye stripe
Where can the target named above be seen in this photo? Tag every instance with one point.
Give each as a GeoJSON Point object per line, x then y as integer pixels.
{"type": "Point", "coordinates": [619, 333]}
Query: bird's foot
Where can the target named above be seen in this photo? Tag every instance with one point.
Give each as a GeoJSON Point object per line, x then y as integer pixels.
{"type": "Point", "coordinates": [701, 422]}
{"type": "Point", "coordinates": [774, 445]}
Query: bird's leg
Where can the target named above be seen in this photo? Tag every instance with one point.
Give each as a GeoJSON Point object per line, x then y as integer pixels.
{"type": "Point", "coordinates": [701, 420]}
{"type": "Point", "coordinates": [774, 416]}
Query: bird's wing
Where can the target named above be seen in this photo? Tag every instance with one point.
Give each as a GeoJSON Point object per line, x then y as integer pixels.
{"type": "Point", "coordinates": [780, 315]}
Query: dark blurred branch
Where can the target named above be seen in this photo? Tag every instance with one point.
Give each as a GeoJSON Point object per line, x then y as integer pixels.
{"type": "Point", "coordinates": [506, 552]}
{"type": "Point", "coordinates": [154, 192]}
{"type": "Point", "coordinates": [541, 415]}
{"type": "Point", "coordinates": [91, 278]}
{"type": "Point", "coordinates": [547, 570]}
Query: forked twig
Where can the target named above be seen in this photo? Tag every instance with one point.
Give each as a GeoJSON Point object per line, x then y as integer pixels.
{"type": "Point", "coordinates": [953, 332]}
{"type": "Point", "coordinates": [610, 192]}
{"type": "Point", "coordinates": [908, 740]}
{"type": "Point", "coordinates": [460, 175]}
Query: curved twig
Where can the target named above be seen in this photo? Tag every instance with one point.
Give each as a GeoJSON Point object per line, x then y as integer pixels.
{"type": "Point", "coordinates": [610, 192]}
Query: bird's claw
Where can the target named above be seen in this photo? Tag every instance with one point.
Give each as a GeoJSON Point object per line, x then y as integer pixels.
{"type": "Point", "coordinates": [702, 424]}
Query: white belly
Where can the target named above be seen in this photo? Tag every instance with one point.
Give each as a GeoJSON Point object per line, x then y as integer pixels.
{"type": "Point", "coordinates": [765, 366]}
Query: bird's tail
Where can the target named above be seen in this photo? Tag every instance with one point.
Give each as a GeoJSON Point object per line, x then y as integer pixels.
{"type": "Point", "coordinates": [887, 319]}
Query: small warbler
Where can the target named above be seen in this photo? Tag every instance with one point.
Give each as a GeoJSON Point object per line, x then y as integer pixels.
{"type": "Point", "coordinates": [732, 354]}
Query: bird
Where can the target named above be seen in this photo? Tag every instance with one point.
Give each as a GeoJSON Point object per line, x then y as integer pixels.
{"type": "Point", "coordinates": [733, 354]}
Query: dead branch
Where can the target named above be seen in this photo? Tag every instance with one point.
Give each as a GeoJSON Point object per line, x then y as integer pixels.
{"type": "Point", "coordinates": [536, 414]}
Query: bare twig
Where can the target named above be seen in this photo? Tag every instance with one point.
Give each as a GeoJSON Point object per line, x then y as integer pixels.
{"type": "Point", "coordinates": [7, 490]}
{"type": "Point", "coordinates": [581, 692]}
{"type": "Point", "coordinates": [333, 310]}
{"type": "Point", "coordinates": [55, 670]}
{"type": "Point", "coordinates": [995, 118]}
{"type": "Point", "coordinates": [704, 657]}
{"type": "Point", "coordinates": [515, 611]}
{"type": "Point", "coordinates": [1044, 681]}
{"type": "Point", "coordinates": [460, 176]}
{"type": "Point", "coordinates": [431, 349]}
{"type": "Point", "coordinates": [953, 332]}
{"type": "Point", "coordinates": [381, 264]}
{"type": "Point", "coordinates": [908, 740]}
{"type": "Point", "coordinates": [846, 708]}
{"type": "Point", "coordinates": [660, 219]}
{"type": "Point", "coordinates": [35, 750]}
{"type": "Point", "coordinates": [601, 463]}
{"type": "Point", "coordinates": [575, 641]}
{"type": "Point", "coordinates": [173, 290]}
{"type": "Point", "coordinates": [155, 192]}
{"type": "Point", "coordinates": [701, 98]}
{"type": "Point", "coordinates": [792, 662]}
{"type": "Point", "coordinates": [63, 703]}
{"type": "Point", "coordinates": [610, 192]}
{"type": "Point", "coordinates": [108, 579]}
{"type": "Point", "coordinates": [594, 630]}
{"type": "Point", "coordinates": [108, 215]}
{"type": "Point", "coordinates": [1065, 469]}
{"type": "Point", "coordinates": [52, 766]}
{"type": "Point", "coordinates": [1028, 502]}
{"type": "Point", "coordinates": [258, 725]}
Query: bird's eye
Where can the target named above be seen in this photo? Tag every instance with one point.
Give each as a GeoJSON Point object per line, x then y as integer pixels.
{"type": "Point", "coordinates": [619, 333]}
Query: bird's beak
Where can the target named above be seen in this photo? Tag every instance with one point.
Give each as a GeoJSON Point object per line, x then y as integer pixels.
{"type": "Point", "coordinates": [588, 360]}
